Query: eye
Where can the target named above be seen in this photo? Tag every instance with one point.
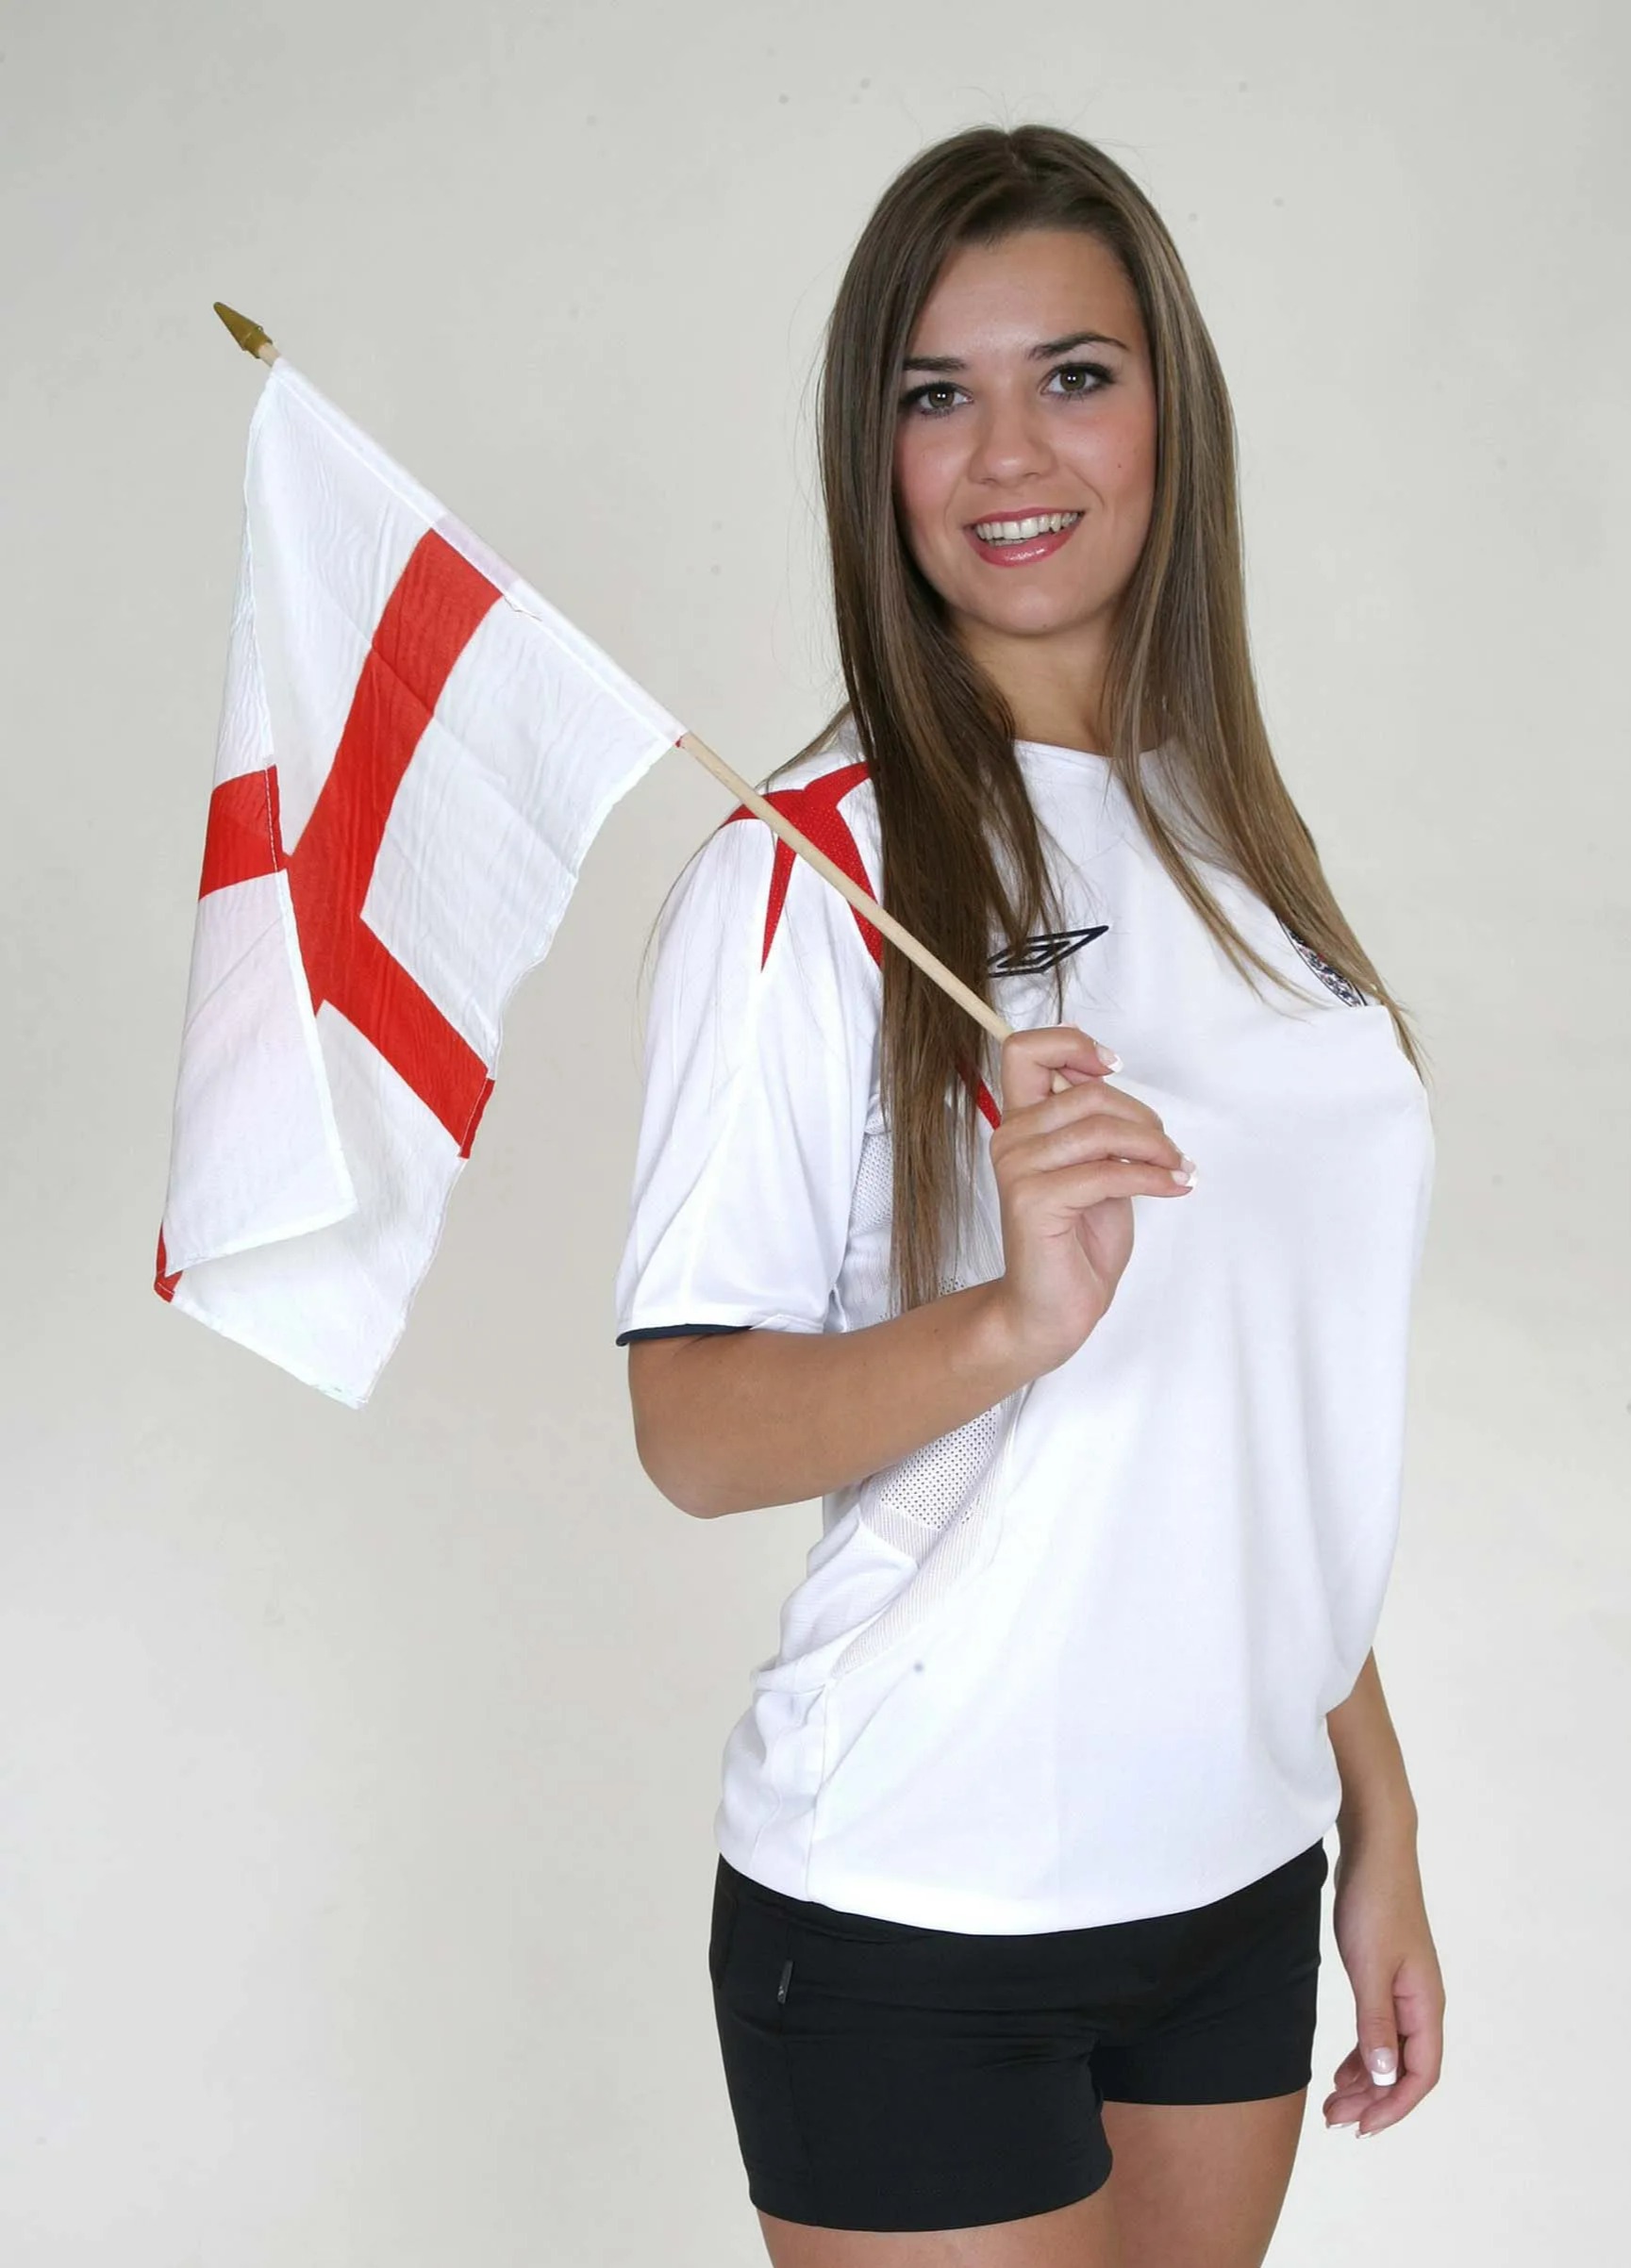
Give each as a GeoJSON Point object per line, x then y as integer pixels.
{"type": "Point", "coordinates": [1078, 372]}
{"type": "Point", "coordinates": [917, 401]}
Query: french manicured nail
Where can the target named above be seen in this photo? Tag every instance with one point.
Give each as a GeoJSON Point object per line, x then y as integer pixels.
{"type": "Point", "coordinates": [1107, 1056]}
{"type": "Point", "coordinates": [1383, 2063]}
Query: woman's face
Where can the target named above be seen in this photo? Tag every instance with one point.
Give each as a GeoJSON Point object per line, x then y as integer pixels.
{"type": "Point", "coordinates": [1026, 394]}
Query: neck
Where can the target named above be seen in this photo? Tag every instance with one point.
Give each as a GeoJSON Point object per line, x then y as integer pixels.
{"type": "Point", "coordinates": [1053, 683]}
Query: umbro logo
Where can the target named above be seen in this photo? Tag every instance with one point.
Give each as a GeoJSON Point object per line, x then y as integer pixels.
{"type": "Point", "coordinates": [1043, 951]}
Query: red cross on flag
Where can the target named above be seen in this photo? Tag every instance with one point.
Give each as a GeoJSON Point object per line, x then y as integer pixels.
{"type": "Point", "coordinates": [415, 754]}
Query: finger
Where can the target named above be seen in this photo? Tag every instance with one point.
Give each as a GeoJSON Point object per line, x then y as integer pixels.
{"type": "Point", "coordinates": [1349, 2077]}
{"type": "Point", "coordinates": [1421, 2030]}
{"type": "Point", "coordinates": [1081, 1139]}
{"type": "Point", "coordinates": [1401, 2040]}
{"type": "Point", "coordinates": [1062, 1105]}
{"type": "Point", "coordinates": [1354, 2093]}
{"type": "Point", "coordinates": [1086, 1101]}
{"type": "Point", "coordinates": [1345, 2111]}
{"type": "Point", "coordinates": [1359, 2090]}
{"type": "Point", "coordinates": [1393, 2104]}
{"type": "Point", "coordinates": [1379, 2039]}
{"type": "Point", "coordinates": [1421, 2058]}
{"type": "Point", "coordinates": [1033, 1061]}
{"type": "Point", "coordinates": [1065, 1130]}
{"type": "Point", "coordinates": [1058, 1195]}
{"type": "Point", "coordinates": [1420, 2061]}
{"type": "Point", "coordinates": [1358, 2109]}
{"type": "Point", "coordinates": [1351, 2092]}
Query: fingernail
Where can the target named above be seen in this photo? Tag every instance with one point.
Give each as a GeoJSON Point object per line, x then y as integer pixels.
{"type": "Point", "coordinates": [1107, 1056]}
{"type": "Point", "coordinates": [1382, 2061]}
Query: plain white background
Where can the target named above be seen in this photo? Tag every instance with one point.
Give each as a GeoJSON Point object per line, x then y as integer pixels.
{"type": "Point", "coordinates": [357, 1771]}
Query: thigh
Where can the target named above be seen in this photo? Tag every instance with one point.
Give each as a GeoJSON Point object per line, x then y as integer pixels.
{"type": "Point", "coordinates": [887, 2080]}
{"type": "Point", "coordinates": [1204, 2106]}
{"type": "Point", "coordinates": [1083, 2235]}
{"type": "Point", "coordinates": [1201, 2185]}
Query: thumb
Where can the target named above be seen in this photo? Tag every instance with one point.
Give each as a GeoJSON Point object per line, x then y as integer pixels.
{"type": "Point", "coordinates": [1379, 2040]}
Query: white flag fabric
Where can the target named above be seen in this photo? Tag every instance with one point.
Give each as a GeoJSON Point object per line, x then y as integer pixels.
{"type": "Point", "coordinates": [415, 754]}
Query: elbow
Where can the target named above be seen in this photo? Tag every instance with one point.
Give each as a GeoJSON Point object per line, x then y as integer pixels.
{"type": "Point", "coordinates": [677, 1477]}
{"type": "Point", "coordinates": [677, 1436]}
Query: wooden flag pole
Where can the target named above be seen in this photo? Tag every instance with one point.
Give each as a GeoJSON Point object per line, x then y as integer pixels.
{"type": "Point", "coordinates": [253, 339]}
{"type": "Point", "coordinates": [980, 1010]}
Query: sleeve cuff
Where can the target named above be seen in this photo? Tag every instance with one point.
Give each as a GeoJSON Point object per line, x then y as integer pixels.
{"type": "Point", "coordinates": [677, 1331]}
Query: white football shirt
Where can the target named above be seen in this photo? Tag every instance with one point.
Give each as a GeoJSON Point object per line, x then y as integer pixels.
{"type": "Point", "coordinates": [1069, 1664]}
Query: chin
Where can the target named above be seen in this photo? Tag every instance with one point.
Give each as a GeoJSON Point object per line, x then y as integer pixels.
{"type": "Point", "coordinates": [1031, 615]}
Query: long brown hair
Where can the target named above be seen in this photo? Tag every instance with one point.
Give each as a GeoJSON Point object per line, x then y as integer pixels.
{"type": "Point", "coordinates": [961, 858]}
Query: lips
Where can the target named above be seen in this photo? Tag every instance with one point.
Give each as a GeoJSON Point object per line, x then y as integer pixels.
{"type": "Point", "coordinates": [1026, 550]}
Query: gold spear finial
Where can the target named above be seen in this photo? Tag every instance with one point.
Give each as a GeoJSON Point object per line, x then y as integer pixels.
{"type": "Point", "coordinates": [250, 336]}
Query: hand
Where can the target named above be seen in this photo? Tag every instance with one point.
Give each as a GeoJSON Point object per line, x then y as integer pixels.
{"type": "Point", "coordinates": [1068, 1165]}
{"type": "Point", "coordinates": [1387, 1948]}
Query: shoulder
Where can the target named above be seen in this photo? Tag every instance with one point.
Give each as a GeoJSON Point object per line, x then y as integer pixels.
{"type": "Point", "coordinates": [747, 878]}
{"type": "Point", "coordinates": [827, 794]}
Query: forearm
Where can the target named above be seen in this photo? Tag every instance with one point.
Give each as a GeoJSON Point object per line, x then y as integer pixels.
{"type": "Point", "coordinates": [727, 1422]}
{"type": "Point", "coordinates": [1377, 1804]}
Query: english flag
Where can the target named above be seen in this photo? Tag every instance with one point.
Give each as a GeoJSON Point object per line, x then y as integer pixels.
{"type": "Point", "coordinates": [415, 754]}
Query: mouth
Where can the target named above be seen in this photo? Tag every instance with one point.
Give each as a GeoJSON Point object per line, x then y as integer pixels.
{"type": "Point", "coordinates": [1018, 541]}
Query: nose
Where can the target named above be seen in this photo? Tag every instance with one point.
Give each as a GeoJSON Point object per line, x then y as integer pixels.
{"type": "Point", "coordinates": [1010, 441]}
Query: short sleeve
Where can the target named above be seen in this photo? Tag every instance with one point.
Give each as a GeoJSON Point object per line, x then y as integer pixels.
{"type": "Point", "coordinates": [760, 1071]}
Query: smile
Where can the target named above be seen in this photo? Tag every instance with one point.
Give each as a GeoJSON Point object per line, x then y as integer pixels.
{"type": "Point", "coordinates": [1017, 542]}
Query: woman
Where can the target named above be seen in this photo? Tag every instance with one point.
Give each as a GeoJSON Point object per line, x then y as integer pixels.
{"type": "Point", "coordinates": [1021, 1837]}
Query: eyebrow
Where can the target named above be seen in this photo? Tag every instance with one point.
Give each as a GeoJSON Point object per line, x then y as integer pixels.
{"type": "Point", "coordinates": [1037, 353]}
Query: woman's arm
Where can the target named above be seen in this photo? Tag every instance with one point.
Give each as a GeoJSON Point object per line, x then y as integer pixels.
{"type": "Point", "coordinates": [1379, 1917]}
{"type": "Point", "coordinates": [727, 1422]}
{"type": "Point", "coordinates": [1377, 1804]}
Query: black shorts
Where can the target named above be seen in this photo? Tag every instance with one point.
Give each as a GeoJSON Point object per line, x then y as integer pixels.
{"type": "Point", "coordinates": [887, 2077]}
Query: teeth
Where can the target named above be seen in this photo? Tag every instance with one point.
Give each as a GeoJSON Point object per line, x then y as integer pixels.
{"type": "Point", "coordinates": [1022, 531]}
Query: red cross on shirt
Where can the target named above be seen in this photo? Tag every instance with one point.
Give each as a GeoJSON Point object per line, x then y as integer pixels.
{"type": "Point", "coordinates": [814, 811]}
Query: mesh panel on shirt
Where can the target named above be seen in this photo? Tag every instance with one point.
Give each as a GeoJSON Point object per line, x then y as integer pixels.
{"type": "Point", "coordinates": [872, 1200]}
{"type": "Point", "coordinates": [940, 1505]}
{"type": "Point", "coordinates": [934, 1483]}
{"type": "Point", "coordinates": [932, 1486]}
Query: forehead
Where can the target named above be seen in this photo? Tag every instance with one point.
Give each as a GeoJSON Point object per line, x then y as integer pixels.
{"type": "Point", "coordinates": [1041, 283]}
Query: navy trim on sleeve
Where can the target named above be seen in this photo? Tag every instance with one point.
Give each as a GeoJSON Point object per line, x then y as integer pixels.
{"type": "Point", "coordinates": [678, 1330]}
